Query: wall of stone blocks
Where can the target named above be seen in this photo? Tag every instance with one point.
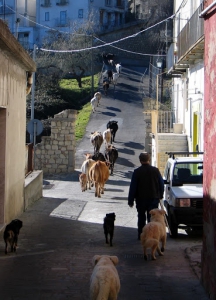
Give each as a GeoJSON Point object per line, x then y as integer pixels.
{"type": "Point", "coordinates": [56, 153]}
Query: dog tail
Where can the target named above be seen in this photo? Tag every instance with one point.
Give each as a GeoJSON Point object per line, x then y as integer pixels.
{"type": "Point", "coordinates": [103, 292]}
{"type": "Point", "coordinates": [149, 243]}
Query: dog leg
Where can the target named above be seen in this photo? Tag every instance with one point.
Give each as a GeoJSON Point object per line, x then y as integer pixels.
{"type": "Point", "coordinates": [153, 250]}
{"type": "Point", "coordinates": [6, 248]}
{"type": "Point", "coordinates": [111, 238]}
{"type": "Point", "coordinates": [145, 254]}
{"type": "Point", "coordinates": [106, 236]}
{"type": "Point", "coordinates": [159, 251]}
{"type": "Point", "coordinates": [163, 241]}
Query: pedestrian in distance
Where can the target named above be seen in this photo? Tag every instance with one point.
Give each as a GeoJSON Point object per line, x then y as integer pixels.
{"type": "Point", "coordinates": [146, 189]}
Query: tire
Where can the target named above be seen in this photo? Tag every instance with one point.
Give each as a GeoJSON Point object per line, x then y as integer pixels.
{"type": "Point", "coordinates": [172, 225]}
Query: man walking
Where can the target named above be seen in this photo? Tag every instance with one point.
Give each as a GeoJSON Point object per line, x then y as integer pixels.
{"type": "Point", "coordinates": [146, 189]}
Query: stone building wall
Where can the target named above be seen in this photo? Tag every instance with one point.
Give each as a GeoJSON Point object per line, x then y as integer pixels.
{"type": "Point", "coordinates": [56, 153]}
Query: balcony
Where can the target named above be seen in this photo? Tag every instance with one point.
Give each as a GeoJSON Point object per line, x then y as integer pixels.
{"type": "Point", "coordinates": [190, 40]}
{"type": "Point", "coordinates": [46, 3]}
{"type": "Point", "coordinates": [62, 3]}
{"type": "Point", "coordinates": [62, 23]}
{"type": "Point", "coordinates": [174, 68]}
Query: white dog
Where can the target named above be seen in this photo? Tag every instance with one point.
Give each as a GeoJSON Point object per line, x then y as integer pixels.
{"type": "Point", "coordinates": [153, 233]}
{"type": "Point", "coordinates": [98, 95]}
{"type": "Point", "coordinates": [105, 282]}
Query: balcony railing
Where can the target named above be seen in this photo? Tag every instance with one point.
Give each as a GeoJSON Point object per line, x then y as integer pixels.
{"type": "Point", "coordinates": [191, 33]}
{"type": "Point", "coordinates": [62, 23]}
{"type": "Point", "coordinates": [46, 3]}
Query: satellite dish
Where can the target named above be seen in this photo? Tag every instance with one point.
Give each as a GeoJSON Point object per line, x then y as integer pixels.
{"type": "Point", "coordinates": [38, 127]}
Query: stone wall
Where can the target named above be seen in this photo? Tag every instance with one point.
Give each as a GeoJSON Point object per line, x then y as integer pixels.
{"type": "Point", "coordinates": [56, 153]}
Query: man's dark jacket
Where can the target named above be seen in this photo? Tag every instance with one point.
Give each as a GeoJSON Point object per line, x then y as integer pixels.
{"type": "Point", "coordinates": [146, 183]}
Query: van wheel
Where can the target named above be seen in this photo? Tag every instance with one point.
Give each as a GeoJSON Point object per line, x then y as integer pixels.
{"type": "Point", "coordinates": [173, 226]}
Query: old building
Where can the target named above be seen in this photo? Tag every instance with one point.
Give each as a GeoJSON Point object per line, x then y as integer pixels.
{"type": "Point", "coordinates": [209, 235]}
{"type": "Point", "coordinates": [15, 65]}
{"type": "Point", "coordinates": [31, 21]}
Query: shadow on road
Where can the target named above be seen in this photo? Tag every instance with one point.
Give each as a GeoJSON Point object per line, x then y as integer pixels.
{"type": "Point", "coordinates": [134, 145]}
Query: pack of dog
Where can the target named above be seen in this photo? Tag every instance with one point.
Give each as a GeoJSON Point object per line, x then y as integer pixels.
{"type": "Point", "coordinates": [11, 234]}
{"type": "Point", "coordinates": [108, 226]}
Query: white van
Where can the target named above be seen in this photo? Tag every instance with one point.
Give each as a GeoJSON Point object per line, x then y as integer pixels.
{"type": "Point", "coordinates": [183, 196]}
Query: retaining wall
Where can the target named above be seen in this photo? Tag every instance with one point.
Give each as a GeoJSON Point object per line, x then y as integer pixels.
{"type": "Point", "coordinates": [56, 153]}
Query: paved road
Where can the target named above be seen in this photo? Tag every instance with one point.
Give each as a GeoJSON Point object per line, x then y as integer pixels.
{"type": "Point", "coordinates": [63, 230]}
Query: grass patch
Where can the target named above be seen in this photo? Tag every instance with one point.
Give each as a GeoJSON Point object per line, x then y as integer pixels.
{"type": "Point", "coordinates": [84, 112]}
{"type": "Point", "coordinates": [82, 121]}
{"type": "Point", "coordinates": [72, 94]}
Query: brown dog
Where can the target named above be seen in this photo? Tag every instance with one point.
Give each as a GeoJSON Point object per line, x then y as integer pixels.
{"type": "Point", "coordinates": [105, 282]}
{"type": "Point", "coordinates": [153, 233]}
{"type": "Point", "coordinates": [83, 181]}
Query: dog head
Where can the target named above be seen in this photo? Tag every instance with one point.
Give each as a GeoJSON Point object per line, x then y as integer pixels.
{"type": "Point", "coordinates": [157, 214]}
{"type": "Point", "coordinates": [111, 216]}
{"type": "Point", "coordinates": [105, 259]}
{"type": "Point", "coordinates": [16, 224]}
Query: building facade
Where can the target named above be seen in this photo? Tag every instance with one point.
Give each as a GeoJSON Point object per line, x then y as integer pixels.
{"type": "Point", "coordinates": [209, 217]}
{"type": "Point", "coordinates": [31, 21]}
{"type": "Point", "coordinates": [185, 62]}
{"type": "Point", "coordinates": [15, 64]}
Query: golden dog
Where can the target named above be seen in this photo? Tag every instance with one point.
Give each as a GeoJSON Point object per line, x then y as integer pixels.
{"type": "Point", "coordinates": [153, 233]}
{"type": "Point", "coordinates": [105, 282]}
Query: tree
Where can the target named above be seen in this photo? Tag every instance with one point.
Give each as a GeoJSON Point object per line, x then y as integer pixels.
{"type": "Point", "coordinates": [54, 66]}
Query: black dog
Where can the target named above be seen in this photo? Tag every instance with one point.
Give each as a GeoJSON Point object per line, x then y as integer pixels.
{"type": "Point", "coordinates": [109, 227]}
{"type": "Point", "coordinates": [11, 234]}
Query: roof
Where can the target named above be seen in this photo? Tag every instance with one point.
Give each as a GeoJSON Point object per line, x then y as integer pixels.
{"type": "Point", "coordinates": [12, 47]}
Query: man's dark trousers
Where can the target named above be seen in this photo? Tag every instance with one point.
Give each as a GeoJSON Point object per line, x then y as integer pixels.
{"type": "Point", "coordinates": [144, 206]}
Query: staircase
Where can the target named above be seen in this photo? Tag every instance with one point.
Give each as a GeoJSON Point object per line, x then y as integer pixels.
{"type": "Point", "coordinates": [169, 142]}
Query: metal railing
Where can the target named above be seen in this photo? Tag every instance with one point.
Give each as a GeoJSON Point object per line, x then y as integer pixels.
{"type": "Point", "coordinates": [165, 121]}
{"type": "Point", "coordinates": [191, 33]}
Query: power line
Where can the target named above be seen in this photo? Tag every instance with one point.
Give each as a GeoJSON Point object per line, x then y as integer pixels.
{"type": "Point", "coordinates": [99, 46]}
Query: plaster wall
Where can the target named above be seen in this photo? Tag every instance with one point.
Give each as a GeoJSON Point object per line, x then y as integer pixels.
{"type": "Point", "coordinates": [15, 62]}
{"type": "Point", "coordinates": [209, 185]}
{"type": "Point", "coordinates": [13, 95]}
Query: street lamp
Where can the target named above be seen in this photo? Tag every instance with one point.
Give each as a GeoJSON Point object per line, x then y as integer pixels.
{"type": "Point", "coordinates": [159, 63]}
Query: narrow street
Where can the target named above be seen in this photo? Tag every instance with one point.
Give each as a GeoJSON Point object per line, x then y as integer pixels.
{"type": "Point", "coordinates": [63, 230]}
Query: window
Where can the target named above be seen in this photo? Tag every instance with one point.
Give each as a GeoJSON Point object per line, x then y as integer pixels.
{"type": "Point", "coordinates": [108, 2]}
{"type": "Point", "coordinates": [63, 15]}
{"type": "Point", "coordinates": [80, 13]}
{"type": "Point", "coordinates": [47, 3]}
{"type": "Point", "coordinates": [46, 16]}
